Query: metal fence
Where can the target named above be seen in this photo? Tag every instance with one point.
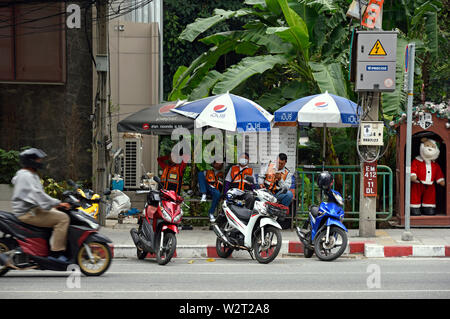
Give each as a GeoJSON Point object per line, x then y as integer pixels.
{"type": "Point", "coordinates": [347, 183]}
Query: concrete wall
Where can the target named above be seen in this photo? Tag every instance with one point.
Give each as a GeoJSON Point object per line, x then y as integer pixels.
{"type": "Point", "coordinates": [54, 117]}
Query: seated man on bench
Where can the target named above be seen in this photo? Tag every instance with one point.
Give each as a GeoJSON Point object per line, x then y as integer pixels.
{"type": "Point", "coordinates": [211, 182]}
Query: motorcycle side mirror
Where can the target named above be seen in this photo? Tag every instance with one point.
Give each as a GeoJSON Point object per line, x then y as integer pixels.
{"type": "Point", "coordinates": [107, 192]}
{"type": "Point", "coordinates": [71, 183]}
{"type": "Point", "coordinates": [250, 179]}
{"type": "Point", "coordinates": [66, 193]}
{"type": "Point", "coordinates": [349, 198]}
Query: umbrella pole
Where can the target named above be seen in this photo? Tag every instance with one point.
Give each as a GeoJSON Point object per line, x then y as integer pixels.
{"type": "Point", "coordinates": [324, 146]}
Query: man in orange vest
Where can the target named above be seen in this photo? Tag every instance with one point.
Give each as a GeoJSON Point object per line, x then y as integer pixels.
{"type": "Point", "coordinates": [211, 182]}
{"type": "Point", "coordinates": [237, 174]}
{"type": "Point", "coordinates": [172, 176]}
{"type": "Point", "coordinates": [277, 178]}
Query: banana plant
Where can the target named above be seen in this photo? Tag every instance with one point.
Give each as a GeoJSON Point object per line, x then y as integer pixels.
{"type": "Point", "coordinates": [282, 46]}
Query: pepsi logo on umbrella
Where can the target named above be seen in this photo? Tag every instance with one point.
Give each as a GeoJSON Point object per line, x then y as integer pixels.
{"type": "Point", "coordinates": [165, 110]}
{"type": "Point", "coordinates": [321, 104]}
{"type": "Point", "coordinates": [220, 108]}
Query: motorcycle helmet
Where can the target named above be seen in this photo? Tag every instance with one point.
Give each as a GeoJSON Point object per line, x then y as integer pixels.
{"type": "Point", "coordinates": [28, 158]}
{"type": "Point", "coordinates": [325, 181]}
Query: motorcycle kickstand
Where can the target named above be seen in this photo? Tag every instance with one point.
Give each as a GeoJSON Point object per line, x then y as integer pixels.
{"type": "Point", "coordinates": [251, 254]}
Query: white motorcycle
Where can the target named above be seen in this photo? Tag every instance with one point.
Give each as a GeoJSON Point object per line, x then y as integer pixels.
{"type": "Point", "coordinates": [248, 221]}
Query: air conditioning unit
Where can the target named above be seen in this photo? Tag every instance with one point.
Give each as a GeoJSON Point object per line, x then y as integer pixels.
{"type": "Point", "coordinates": [132, 162]}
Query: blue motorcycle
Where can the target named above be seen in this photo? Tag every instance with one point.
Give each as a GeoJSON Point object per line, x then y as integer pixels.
{"type": "Point", "coordinates": [323, 232]}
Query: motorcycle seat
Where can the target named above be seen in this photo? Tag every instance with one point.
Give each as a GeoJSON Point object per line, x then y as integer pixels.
{"type": "Point", "coordinates": [12, 218]}
{"type": "Point", "coordinates": [241, 212]}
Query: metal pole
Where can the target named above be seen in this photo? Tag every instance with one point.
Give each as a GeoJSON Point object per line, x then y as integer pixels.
{"type": "Point", "coordinates": [102, 49]}
{"type": "Point", "coordinates": [324, 146]}
{"type": "Point", "coordinates": [407, 236]}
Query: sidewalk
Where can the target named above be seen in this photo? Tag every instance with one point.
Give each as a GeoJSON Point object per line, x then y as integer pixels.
{"type": "Point", "coordinates": [200, 242]}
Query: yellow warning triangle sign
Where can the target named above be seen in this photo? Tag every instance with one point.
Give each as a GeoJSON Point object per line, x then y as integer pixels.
{"type": "Point", "coordinates": [377, 49]}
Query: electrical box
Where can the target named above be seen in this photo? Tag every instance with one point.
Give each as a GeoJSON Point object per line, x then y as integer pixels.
{"type": "Point", "coordinates": [101, 63]}
{"type": "Point", "coordinates": [371, 133]}
{"type": "Point", "coordinates": [376, 53]}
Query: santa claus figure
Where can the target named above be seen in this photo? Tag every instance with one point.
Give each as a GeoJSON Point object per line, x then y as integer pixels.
{"type": "Point", "coordinates": [424, 173]}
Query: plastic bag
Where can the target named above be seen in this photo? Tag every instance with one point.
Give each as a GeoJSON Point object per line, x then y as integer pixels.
{"type": "Point", "coordinates": [119, 203]}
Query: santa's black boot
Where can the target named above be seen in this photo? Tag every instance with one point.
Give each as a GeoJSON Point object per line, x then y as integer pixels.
{"type": "Point", "coordinates": [429, 211]}
{"type": "Point", "coordinates": [415, 211]}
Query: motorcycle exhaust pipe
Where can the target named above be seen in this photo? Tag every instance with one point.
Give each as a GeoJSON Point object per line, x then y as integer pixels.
{"type": "Point", "coordinates": [140, 242]}
{"type": "Point", "coordinates": [302, 236]}
{"type": "Point", "coordinates": [134, 236]}
{"type": "Point", "coordinates": [221, 235]}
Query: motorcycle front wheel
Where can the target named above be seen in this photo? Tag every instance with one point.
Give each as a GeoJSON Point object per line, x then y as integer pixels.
{"type": "Point", "coordinates": [5, 246]}
{"type": "Point", "coordinates": [96, 264]}
{"type": "Point", "coordinates": [165, 253]}
{"type": "Point", "coordinates": [334, 248]}
{"type": "Point", "coordinates": [266, 249]}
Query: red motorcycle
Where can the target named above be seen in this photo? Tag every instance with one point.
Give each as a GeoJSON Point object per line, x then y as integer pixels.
{"type": "Point", "coordinates": [23, 246]}
{"type": "Point", "coordinates": [158, 224]}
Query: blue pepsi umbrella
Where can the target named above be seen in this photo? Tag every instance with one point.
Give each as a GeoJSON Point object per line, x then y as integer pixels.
{"type": "Point", "coordinates": [323, 110]}
{"type": "Point", "coordinates": [228, 112]}
{"type": "Point", "coordinates": [320, 110]}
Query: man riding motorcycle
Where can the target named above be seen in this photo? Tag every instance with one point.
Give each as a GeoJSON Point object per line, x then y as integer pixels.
{"type": "Point", "coordinates": [34, 207]}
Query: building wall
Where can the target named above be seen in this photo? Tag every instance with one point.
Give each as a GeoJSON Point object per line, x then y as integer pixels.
{"type": "Point", "coordinates": [54, 117]}
{"type": "Point", "coordinates": [134, 78]}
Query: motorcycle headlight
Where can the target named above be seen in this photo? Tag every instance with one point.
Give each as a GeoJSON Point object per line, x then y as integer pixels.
{"type": "Point", "coordinates": [339, 199]}
{"type": "Point", "coordinates": [178, 217]}
{"type": "Point", "coordinates": [166, 215]}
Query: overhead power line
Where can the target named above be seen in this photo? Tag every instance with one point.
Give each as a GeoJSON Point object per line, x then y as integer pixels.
{"type": "Point", "coordinates": [33, 29]}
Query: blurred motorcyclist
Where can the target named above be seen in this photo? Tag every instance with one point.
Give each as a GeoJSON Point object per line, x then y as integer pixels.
{"type": "Point", "coordinates": [33, 206]}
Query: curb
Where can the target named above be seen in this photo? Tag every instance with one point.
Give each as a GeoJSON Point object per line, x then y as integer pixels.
{"type": "Point", "coordinates": [377, 251]}
{"type": "Point", "coordinates": [367, 249]}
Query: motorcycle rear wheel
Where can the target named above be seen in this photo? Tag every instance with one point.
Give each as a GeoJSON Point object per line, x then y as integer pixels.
{"type": "Point", "coordinates": [163, 256]}
{"type": "Point", "coordinates": [222, 249]}
{"type": "Point", "coordinates": [307, 252]}
{"type": "Point", "coordinates": [324, 251]}
{"type": "Point", "coordinates": [261, 252]}
{"type": "Point", "coordinates": [141, 254]}
{"type": "Point", "coordinates": [102, 259]}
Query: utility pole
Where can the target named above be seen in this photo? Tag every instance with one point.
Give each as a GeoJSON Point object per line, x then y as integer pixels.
{"type": "Point", "coordinates": [100, 107]}
{"type": "Point", "coordinates": [368, 204]}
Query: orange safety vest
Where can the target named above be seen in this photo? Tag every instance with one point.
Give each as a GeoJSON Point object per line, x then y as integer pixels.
{"type": "Point", "coordinates": [269, 180]}
{"type": "Point", "coordinates": [214, 180]}
{"type": "Point", "coordinates": [171, 178]}
{"type": "Point", "coordinates": [238, 180]}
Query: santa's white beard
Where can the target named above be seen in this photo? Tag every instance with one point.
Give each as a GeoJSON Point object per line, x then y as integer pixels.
{"type": "Point", "coordinates": [428, 154]}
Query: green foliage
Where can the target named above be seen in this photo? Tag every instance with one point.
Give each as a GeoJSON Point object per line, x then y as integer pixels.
{"type": "Point", "coordinates": [424, 22]}
{"type": "Point", "coordinates": [177, 15]}
{"type": "Point", "coordinates": [9, 164]}
{"type": "Point", "coordinates": [53, 188]}
{"type": "Point", "coordinates": [282, 43]}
